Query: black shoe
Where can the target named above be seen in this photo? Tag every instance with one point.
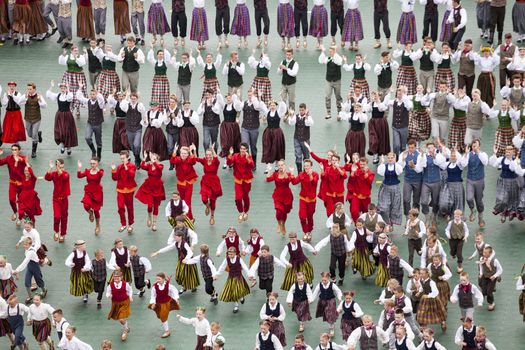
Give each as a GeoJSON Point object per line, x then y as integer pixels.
{"type": "Point", "coordinates": [354, 271]}
{"type": "Point", "coordinates": [172, 166]}
{"type": "Point", "coordinates": [62, 150]}
{"type": "Point", "coordinates": [40, 137]}
{"type": "Point", "coordinates": [54, 30]}
{"type": "Point", "coordinates": [69, 151]}
{"type": "Point", "coordinates": [33, 150]}
{"type": "Point", "coordinates": [242, 300]}
{"type": "Point", "coordinates": [99, 153]}
{"type": "Point", "coordinates": [122, 40]}
{"type": "Point", "coordinates": [15, 42]}
{"type": "Point", "coordinates": [340, 282]}
{"type": "Point", "coordinates": [60, 40]}
{"type": "Point", "coordinates": [141, 293]}
{"type": "Point", "coordinates": [148, 284]}
{"type": "Point", "coordinates": [99, 305]}
{"type": "Point", "coordinates": [65, 45]}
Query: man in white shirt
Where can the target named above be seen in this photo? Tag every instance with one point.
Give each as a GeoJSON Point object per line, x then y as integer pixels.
{"type": "Point", "coordinates": [131, 57]}
{"type": "Point", "coordinates": [333, 63]}
{"type": "Point", "coordinates": [458, 18]}
{"type": "Point", "coordinates": [288, 69]}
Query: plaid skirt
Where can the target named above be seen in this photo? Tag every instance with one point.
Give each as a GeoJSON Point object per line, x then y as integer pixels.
{"type": "Point", "coordinates": [121, 17]}
{"type": "Point", "coordinates": [285, 21]}
{"type": "Point", "coordinates": [389, 204]}
{"type": "Point", "coordinates": [4, 25]}
{"type": "Point", "coordinates": [430, 311]}
{"type": "Point", "coordinates": [72, 79]}
{"type": "Point", "coordinates": [41, 330]}
{"type": "Point", "coordinates": [37, 25]}
{"type": "Point", "coordinates": [264, 86]}
{"type": "Point", "coordinates": [507, 197]}
{"type": "Point", "coordinates": [318, 22]}
{"type": "Point", "coordinates": [456, 133]}
{"type": "Point", "coordinates": [80, 283]}
{"type": "Point", "coordinates": [406, 30]}
{"type": "Point", "coordinates": [119, 310]}
{"type": "Point", "coordinates": [210, 84]}
{"type": "Point", "coordinates": [234, 289]}
{"type": "Point", "coordinates": [302, 310]}
{"type": "Point", "coordinates": [186, 275]}
{"type": "Point", "coordinates": [361, 82]}
{"type": "Point", "coordinates": [201, 340]}
{"type": "Point", "coordinates": [487, 85]}
{"type": "Point", "coordinates": [8, 287]}
{"type": "Point", "coordinates": [65, 131]}
{"type": "Point", "coordinates": [327, 309]}
{"type": "Point", "coordinates": [162, 310]}
{"type": "Point", "coordinates": [290, 278]}
{"type": "Point", "coordinates": [353, 26]}
{"type": "Point", "coordinates": [503, 139]}
{"type": "Point", "coordinates": [451, 197]}
{"type": "Point", "coordinates": [382, 276]}
{"type": "Point", "coordinates": [444, 292]}
{"type": "Point", "coordinates": [378, 136]}
{"type": "Point", "coordinates": [160, 91]}
{"type": "Point", "coordinates": [446, 28]}
{"type": "Point", "coordinates": [362, 263]}
{"type": "Point", "coordinates": [107, 82]}
{"type": "Point", "coordinates": [277, 328]}
{"type": "Point", "coordinates": [241, 21]}
{"type": "Point", "coordinates": [85, 22]}
{"type": "Point", "coordinates": [157, 21]}
{"type": "Point", "coordinates": [521, 304]}
{"type": "Point", "coordinates": [348, 326]}
{"type": "Point", "coordinates": [419, 125]}
{"type": "Point", "coordinates": [406, 75]}
{"type": "Point", "coordinates": [5, 327]}
{"type": "Point", "coordinates": [120, 138]}
{"type": "Point", "coordinates": [518, 18]}
{"type": "Point", "coordinates": [445, 74]}
{"type": "Point", "coordinates": [199, 25]}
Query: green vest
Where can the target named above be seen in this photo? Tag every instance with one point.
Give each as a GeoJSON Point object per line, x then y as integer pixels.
{"type": "Point", "coordinates": [161, 70]}
{"type": "Point", "coordinates": [72, 66]}
{"type": "Point", "coordinates": [504, 121]}
{"type": "Point", "coordinates": [457, 231]}
{"type": "Point", "coordinates": [210, 73]}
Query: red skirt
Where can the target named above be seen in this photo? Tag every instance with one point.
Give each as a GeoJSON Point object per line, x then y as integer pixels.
{"type": "Point", "coordinates": [283, 199]}
{"type": "Point", "coordinates": [65, 129]}
{"type": "Point", "coordinates": [189, 136]}
{"type": "Point", "coordinates": [13, 127]}
{"type": "Point", "coordinates": [93, 196]}
{"type": "Point", "coordinates": [378, 137]}
{"type": "Point", "coordinates": [273, 145]}
{"type": "Point", "coordinates": [150, 189]}
{"type": "Point", "coordinates": [37, 25]}
{"type": "Point", "coordinates": [355, 142]}
{"type": "Point", "coordinates": [41, 330]}
{"type": "Point", "coordinates": [154, 141]}
{"type": "Point", "coordinates": [85, 22]}
{"type": "Point", "coordinates": [230, 136]}
{"type": "Point", "coordinates": [211, 186]}
{"type": "Point", "coordinates": [29, 203]}
{"type": "Point", "coordinates": [120, 138]}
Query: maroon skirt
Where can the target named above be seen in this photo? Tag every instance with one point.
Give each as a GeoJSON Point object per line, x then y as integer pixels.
{"type": "Point", "coordinates": [348, 326]}
{"type": "Point", "coordinates": [37, 25]}
{"type": "Point", "coordinates": [21, 18]}
{"type": "Point", "coordinates": [327, 309]}
{"type": "Point", "coordinates": [189, 136]}
{"type": "Point", "coordinates": [355, 142]}
{"type": "Point", "coordinates": [65, 129]}
{"type": "Point", "coordinates": [302, 310]}
{"type": "Point", "coordinates": [201, 340]}
{"type": "Point", "coordinates": [273, 145]}
{"type": "Point", "coordinates": [5, 327]}
{"type": "Point", "coordinates": [277, 328]}
{"type": "Point", "coordinates": [13, 127]}
{"type": "Point", "coordinates": [120, 138]}
{"type": "Point", "coordinates": [378, 137]}
{"type": "Point", "coordinates": [154, 141]}
{"type": "Point", "coordinates": [230, 136]}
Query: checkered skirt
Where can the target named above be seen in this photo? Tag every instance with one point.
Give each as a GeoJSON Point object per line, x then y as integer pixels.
{"type": "Point", "coordinates": [389, 199]}
{"type": "Point", "coordinates": [430, 311]}
{"type": "Point", "coordinates": [107, 82]}
{"type": "Point", "coordinates": [241, 21]}
{"type": "Point", "coordinates": [406, 75]}
{"type": "Point", "coordinates": [302, 310]}
{"type": "Point", "coordinates": [160, 90]}
{"type": "Point", "coordinates": [285, 21]}
{"type": "Point", "coordinates": [419, 125]}
{"type": "Point", "coordinates": [406, 30]}
{"type": "Point", "coordinates": [318, 22]}
{"type": "Point", "coordinates": [446, 28]}
{"type": "Point", "coordinates": [327, 309]}
{"type": "Point", "coordinates": [73, 79]}
{"type": "Point", "coordinates": [263, 85]}
{"type": "Point", "coordinates": [210, 84]}
{"type": "Point", "coordinates": [507, 197]}
{"type": "Point", "coordinates": [353, 26]}
{"type": "Point", "coordinates": [456, 134]}
{"type": "Point", "coordinates": [445, 74]}
{"type": "Point", "coordinates": [277, 328]}
{"type": "Point", "coordinates": [363, 83]}
{"type": "Point", "coordinates": [451, 197]}
{"type": "Point", "coordinates": [503, 139]}
{"type": "Point", "coordinates": [199, 25]}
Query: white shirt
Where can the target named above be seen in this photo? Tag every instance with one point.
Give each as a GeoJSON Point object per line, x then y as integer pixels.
{"type": "Point", "coordinates": [422, 227]}
{"type": "Point", "coordinates": [434, 291]}
{"type": "Point", "coordinates": [189, 252]}
{"type": "Point", "coordinates": [34, 235]}
{"type": "Point", "coordinates": [335, 289]}
{"type": "Point", "coordinates": [309, 295]}
{"type": "Point", "coordinates": [222, 245]}
{"type": "Point", "coordinates": [20, 309]}
{"type": "Point", "coordinates": [202, 327]}
{"type": "Point", "coordinates": [290, 71]}
{"type": "Point", "coordinates": [308, 120]}
{"type": "Point", "coordinates": [172, 292]}
{"type": "Point", "coordinates": [407, 5]}
{"type": "Point", "coordinates": [40, 313]}
{"type": "Point", "coordinates": [129, 290]}
{"type": "Point", "coordinates": [294, 246]}
{"type": "Point", "coordinates": [324, 59]}
{"type": "Point", "coordinates": [151, 119]}
{"type": "Point", "coordinates": [73, 344]}
{"type": "Point", "coordinates": [59, 96]}
{"type": "Point", "coordinates": [197, 259]}
{"type": "Point", "coordinates": [264, 62]}
{"type": "Point", "coordinates": [41, 102]}
{"type": "Point", "coordinates": [83, 100]}
{"type": "Point", "coordinates": [485, 64]}
{"type": "Point", "coordinates": [125, 104]}
{"type": "Point", "coordinates": [30, 255]}
{"type": "Point", "coordinates": [275, 341]}
{"type": "Point", "coordinates": [233, 261]}
{"type": "Point", "coordinates": [330, 221]}
{"type": "Point", "coordinates": [325, 241]}
{"type": "Point", "coordinates": [215, 107]}
{"type": "Point", "coordinates": [408, 342]}
{"type": "Point", "coordinates": [3, 308]}
{"type": "Point", "coordinates": [462, 14]}
{"type": "Point", "coordinates": [430, 344]}
{"type": "Point", "coordinates": [354, 337]}
{"type": "Point", "coordinates": [192, 237]}
{"type": "Point", "coordinates": [6, 272]}
{"type": "Point", "coordinates": [465, 227]}
{"type": "Point", "coordinates": [80, 60]}
{"type": "Point", "coordinates": [391, 330]}
{"type": "Point", "coordinates": [185, 208]}
{"type": "Point", "coordinates": [194, 117]}
{"type": "Point", "coordinates": [255, 266]}
{"type": "Point", "coordinates": [112, 264]}
{"type": "Point", "coordinates": [426, 251]}
{"type": "Point", "coordinates": [358, 312]}
{"type": "Point", "coordinates": [239, 68]}
{"type": "Point", "coordinates": [381, 169]}
{"type": "Point", "coordinates": [378, 68]}
{"type": "Point", "coordinates": [61, 325]}
{"type": "Point", "coordinates": [87, 261]}
{"type": "Point", "coordinates": [475, 291]}
{"type": "Point", "coordinates": [191, 62]}
{"type": "Point", "coordinates": [282, 313]}
{"type": "Point", "coordinates": [153, 60]}
{"type": "Point", "coordinates": [216, 64]}
{"type": "Point", "coordinates": [140, 55]}
{"type": "Point", "coordinates": [350, 67]}
{"type": "Point", "coordinates": [499, 268]}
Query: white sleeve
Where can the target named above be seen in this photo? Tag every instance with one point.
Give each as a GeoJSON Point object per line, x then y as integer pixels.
{"type": "Point", "coordinates": [478, 295]}
{"type": "Point", "coordinates": [146, 263]}
{"type": "Point", "coordinates": [322, 243]}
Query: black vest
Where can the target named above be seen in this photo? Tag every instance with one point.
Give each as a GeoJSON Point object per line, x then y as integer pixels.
{"type": "Point", "coordinates": [133, 118]}
{"type": "Point", "coordinates": [302, 132]}
{"type": "Point", "coordinates": [469, 338]}
{"type": "Point", "coordinates": [138, 270]}
{"type": "Point", "coordinates": [63, 106]}
{"type": "Point", "coordinates": [400, 117]}
{"type": "Point", "coordinates": [250, 118]}
{"type": "Point", "coordinates": [384, 79]}
{"type": "Point", "coordinates": [210, 118]}
{"type": "Point", "coordinates": [130, 64]}
{"type": "Point", "coordinates": [95, 113]}
{"type": "Point", "coordinates": [229, 115]}
{"type": "Point", "coordinates": [288, 79]}
{"type": "Point", "coordinates": [170, 128]}
{"type": "Point", "coordinates": [234, 78]}
{"type": "Point", "coordinates": [266, 344]}
{"type": "Point", "coordinates": [300, 294]}
{"type": "Point", "coordinates": [275, 313]}
{"type": "Point", "coordinates": [176, 210]}
{"type": "Point", "coordinates": [184, 77]}
{"type": "Point", "coordinates": [119, 112]}
{"type": "Point", "coordinates": [326, 293]}
{"type": "Point", "coordinates": [333, 71]}
{"type": "Point", "coordinates": [426, 63]}
{"type": "Point", "coordinates": [205, 269]}
{"type": "Point", "coordinates": [94, 64]}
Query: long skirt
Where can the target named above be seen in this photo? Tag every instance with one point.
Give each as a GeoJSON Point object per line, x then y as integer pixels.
{"type": "Point", "coordinates": [382, 276]}
{"type": "Point", "coordinates": [445, 74]}
{"type": "Point", "coordinates": [160, 91]}
{"type": "Point", "coordinates": [503, 139]}
{"type": "Point", "coordinates": [419, 125]}
{"type": "Point", "coordinates": [41, 330]}
{"type": "Point", "coordinates": [162, 310]}
{"type": "Point", "coordinates": [13, 127]}
{"type": "Point", "coordinates": [29, 203]}
{"type": "Point", "coordinates": [157, 21]}
{"type": "Point", "coordinates": [234, 289]}
{"type": "Point", "coordinates": [264, 86]}
{"type": "Point", "coordinates": [483, 15]}
{"type": "Point", "coordinates": [120, 138]}
{"type": "Point", "coordinates": [353, 26]}
{"type": "Point", "coordinates": [444, 292]}
{"type": "Point", "coordinates": [72, 79]}
{"type": "Point", "coordinates": [363, 84]}
{"type": "Point", "coordinates": [518, 18]}
{"type": "Point", "coordinates": [277, 328]}
{"type": "Point", "coordinates": [507, 197]}
{"type": "Point", "coordinates": [241, 21]}
{"type": "Point", "coordinates": [65, 130]}
{"type": "Point", "coordinates": [285, 21]}
{"type": "Point", "coordinates": [355, 142]}
{"type": "Point", "coordinates": [80, 283]}
{"type": "Point", "coordinates": [85, 22]}
{"type": "Point", "coordinates": [290, 278]}
{"type": "Point", "coordinates": [406, 30]}
{"type": "Point", "coordinates": [187, 222]}
{"type": "Point", "coordinates": [5, 327]}
{"type": "Point", "coordinates": [199, 25]}
{"type": "Point", "coordinates": [119, 310]}
{"type": "Point", "coordinates": [362, 263]}
{"type": "Point", "coordinates": [327, 309]}
{"type": "Point", "coordinates": [107, 82]}
{"type": "Point", "coordinates": [154, 141]}
{"type": "Point", "coordinates": [318, 22]}
{"type": "Point", "coordinates": [210, 84]}
{"type": "Point", "coordinates": [121, 17]}
{"type": "Point", "coordinates": [7, 287]}
{"type": "Point", "coordinates": [348, 326]}
{"type": "Point", "coordinates": [302, 310]}
{"type": "Point", "coordinates": [4, 24]}
{"type": "Point", "coordinates": [22, 16]}
{"type": "Point", "coordinates": [406, 76]}
{"type": "Point", "coordinates": [230, 136]}
{"type": "Point", "coordinates": [486, 85]}
{"type": "Point", "coordinates": [446, 28]}
{"type": "Point", "coordinates": [521, 304]}
{"type": "Point", "coordinates": [273, 145]}
{"type": "Point", "coordinates": [37, 25]}
{"type": "Point", "coordinates": [201, 341]}
{"type": "Point", "coordinates": [451, 197]}
{"type": "Point", "coordinates": [378, 136]}
{"type": "Point", "coordinates": [189, 136]}
{"type": "Point", "coordinates": [389, 204]}
{"type": "Point", "coordinates": [456, 133]}
{"type": "Point", "coordinates": [430, 311]}
{"type": "Point", "coordinates": [187, 276]}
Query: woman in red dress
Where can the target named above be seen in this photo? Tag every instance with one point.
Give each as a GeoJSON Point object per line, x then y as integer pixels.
{"type": "Point", "coordinates": [211, 188]}
{"type": "Point", "coordinates": [351, 166]}
{"type": "Point", "coordinates": [93, 193]}
{"type": "Point", "coordinates": [13, 125]}
{"type": "Point", "coordinates": [282, 194]}
{"type": "Point", "coordinates": [185, 172]}
{"type": "Point", "coordinates": [28, 201]}
{"type": "Point", "coordinates": [324, 163]}
{"type": "Point", "coordinates": [151, 192]}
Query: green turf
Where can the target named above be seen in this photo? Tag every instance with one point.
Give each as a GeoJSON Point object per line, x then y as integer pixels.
{"type": "Point", "coordinates": [38, 63]}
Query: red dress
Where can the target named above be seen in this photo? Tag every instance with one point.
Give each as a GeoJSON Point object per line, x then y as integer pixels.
{"type": "Point", "coordinates": [93, 192]}
{"type": "Point", "coordinates": [13, 125]}
{"type": "Point", "coordinates": [28, 201]}
{"type": "Point", "coordinates": [210, 183]}
{"type": "Point", "coordinates": [307, 199]}
{"type": "Point", "coordinates": [153, 186]}
{"type": "Point", "coordinates": [282, 194]}
{"type": "Point", "coordinates": [362, 192]}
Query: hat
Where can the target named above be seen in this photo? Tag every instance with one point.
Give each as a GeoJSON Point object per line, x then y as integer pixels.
{"type": "Point", "coordinates": [521, 46]}
{"type": "Point", "coordinates": [120, 93]}
{"type": "Point", "coordinates": [11, 83]}
{"type": "Point", "coordinates": [486, 49]}
{"type": "Point", "coordinates": [153, 103]}
{"type": "Point", "coordinates": [79, 242]}
{"type": "Point", "coordinates": [382, 235]}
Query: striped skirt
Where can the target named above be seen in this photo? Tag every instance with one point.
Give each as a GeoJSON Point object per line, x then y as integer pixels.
{"type": "Point", "coordinates": [518, 18]}
{"type": "Point", "coordinates": [264, 86]}
{"type": "Point", "coordinates": [41, 330]}
{"type": "Point", "coordinates": [107, 82]}
{"type": "Point", "coordinates": [5, 327]}
{"type": "Point", "coordinates": [241, 21]}
{"type": "Point", "coordinates": [389, 204]}
{"type": "Point", "coordinates": [157, 21]}
{"type": "Point", "coordinates": [126, 275]}
{"type": "Point", "coordinates": [4, 25]}
{"type": "Point", "coordinates": [187, 276]}
{"type": "Point", "coordinates": [444, 292]}
{"type": "Point", "coordinates": [430, 311]}
{"type": "Point", "coordinates": [503, 139]}
{"type": "Point", "coordinates": [21, 18]}
{"type": "Point", "coordinates": [285, 21]}
{"type": "Point", "coordinates": [37, 25]}
{"type": "Point", "coordinates": [361, 82]}
{"type": "Point", "coordinates": [302, 310]}
{"type": "Point", "coordinates": [160, 91]}
{"type": "Point", "coordinates": [406, 76]}
{"type": "Point", "coordinates": [406, 30]}
{"type": "Point", "coordinates": [353, 26]}
{"type": "Point", "coordinates": [419, 125]}
{"type": "Point", "coordinates": [187, 222]}
{"type": "Point", "coordinates": [162, 310]}
{"type": "Point", "coordinates": [348, 326]}
{"type": "Point", "coordinates": [456, 133]}
{"type": "Point", "coordinates": [277, 328]}
{"type": "Point", "coordinates": [8, 287]}
{"type": "Point", "coordinates": [119, 310]}
{"type": "Point", "coordinates": [382, 276]}
{"type": "Point", "coordinates": [327, 309]}
{"type": "Point", "coordinates": [210, 84]}
{"type": "Point", "coordinates": [290, 278]}
{"type": "Point", "coordinates": [507, 197]}
{"type": "Point", "coordinates": [378, 136]}
{"type": "Point", "coordinates": [487, 85]}
{"type": "Point", "coordinates": [80, 283]}
{"type": "Point", "coordinates": [362, 263]}
{"type": "Point", "coordinates": [318, 22]}
{"type": "Point", "coordinates": [199, 25]}
{"type": "Point", "coordinates": [85, 22]}
{"type": "Point", "coordinates": [234, 289]}
{"type": "Point", "coordinates": [72, 79]}
{"type": "Point", "coordinates": [451, 197]}
{"type": "Point", "coordinates": [446, 29]}
{"type": "Point", "coordinates": [445, 74]}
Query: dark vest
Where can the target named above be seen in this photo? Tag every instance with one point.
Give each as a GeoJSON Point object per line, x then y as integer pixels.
{"type": "Point", "coordinates": [302, 132]}
{"type": "Point", "coordinates": [337, 244]}
{"type": "Point", "coordinates": [130, 64]}
{"type": "Point", "coordinates": [11, 104]}
{"type": "Point", "coordinates": [299, 294]}
{"type": "Point", "coordinates": [426, 63]}
{"type": "Point", "coordinates": [394, 267]}
{"type": "Point", "coordinates": [63, 106]}
{"type": "Point", "coordinates": [210, 118]}
{"type": "Point", "coordinates": [184, 77]}
{"type": "Point", "coordinates": [288, 79]}
{"type": "Point", "coordinates": [333, 71]}
{"type": "Point", "coordinates": [469, 338]}
{"type": "Point", "coordinates": [368, 343]}
{"type": "Point", "coordinates": [250, 118]}
{"type": "Point", "coordinates": [266, 344]}
{"type": "Point", "coordinates": [400, 118]}
{"type": "Point", "coordinates": [170, 128]}
{"type": "Point", "coordinates": [94, 64]}
{"type": "Point", "coordinates": [205, 269]}
{"type": "Point", "coordinates": [347, 311]}
{"type": "Point", "coordinates": [133, 118]}
{"type": "Point", "coordinates": [326, 293]}
{"type": "Point", "coordinates": [32, 111]}
{"type": "Point", "coordinates": [339, 221]}
{"type": "Point", "coordinates": [384, 79]}
{"type": "Point", "coordinates": [266, 268]}
{"type": "Point", "coordinates": [95, 113]}
{"type": "Point", "coordinates": [465, 298]}
{"type": "Point", "coordinates": [162, 69]}
{"type": "Point", "coordinates": [229, 115]}
{"type": "Point", "coordinates": [119, 113]}
{"type": "Point", "coordinates": [108, 64]}
{"type": "Point", "coordinates": [176, 210]}
{"type": "Point", "coordinates": [234, 78]}
{"type": "Point", "coordinates": [138, 270]}
{"type": "Point", "coordinates": [275, 313]}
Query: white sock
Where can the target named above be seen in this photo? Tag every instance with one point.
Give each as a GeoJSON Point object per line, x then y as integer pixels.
{"type": "Point", "coordinates": [165, 326]}
{"type": "Point", "coordinates": [236, 304]}
{"type": "Point", "coordinates": [125, 326]}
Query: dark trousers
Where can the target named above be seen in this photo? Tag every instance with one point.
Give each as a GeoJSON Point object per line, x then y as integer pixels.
{"type": "Point", "coordinates": [504, 74]}
{"type": "Point", "coordinates": [399, 278]}
{"type": "Point", "coordinates": [497, 18]}
{"type": "Point", "coordinates": [414, 245]}
{"type": "Point", "coordinates": [33, 271]}
{"type": "Point", "coordinates": [411, 190]}
{"type": "Point", "coordinates": [208, 286]}
{"type": "Point", "coordinates": [456, 249]}
{"type": "Point", "coordinates": [301, 19]}
{"type": "Point", "coordinates": [250, 137]}
{"type": "Point", "coordinates": [139, 282]}
{"type": "Point", "coordinates": [211, 133]}
{"type": "Point", "coordinates": [378, 18]}
{"type": "Point", "coordinates": [336, 20]}
{"type": "Point", "coordinates": [455, 38]}
{"type": "Point", "coordinates": [430, 25]}
{"type": "Point", "coordinates": [222, 21]}
{"type": "Point", "coordinates": [180, 19]}
{"type": "Point", "coordinates": [99, 289]}
{"type": "Point", "coordinates": [266, 284]}
{"type": "Point", "coordinates": [262, 16]}
{"type": "Point", "coordinates": [487, 288]}
{"type": "Point", "coordinates": [466, 83]}
{"type": "Point", "coordinates": [340, 261]}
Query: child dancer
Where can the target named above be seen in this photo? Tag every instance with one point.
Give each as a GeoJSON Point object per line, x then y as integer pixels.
{"type": "Point", "coordinates": [404, 303]}
{"type": "Point", "coordinates": [467, 295]}
{"type": "Point", "coordinates": [70, 341]}
{"type": "Point", "coordinates": [355, 141]}
{"type": "Point", "coordinates": [65, 130]}
{"type": "Point", "coordinates": [7, 282]}
{"type": "Point", "coordinates": [378, 137]}
{"type": "Point", "coordinates": [230, 131]}
{"type": "Point", "coordinates": [139, 266]}
{"type": "Point", "coordinates": [440, 274]}
{"type": "Point", "coordinates": [119, 260]}
{"type": "Point", "coordinates": [38, 318]}
{"type": "Point", "coordinates": [318, 22]}
{"type": "Point", "coordinates": [59, 323]}
{"type": "Point", "coordinates": [339, 248]}
{"type": "Point", "coordinates": [208, 270]}
{"type": "Point", "coordinates": [93, 192]}
{"type": "Point", "coordinates": [273, 312]}
{"type": "Point", "coordinates": [406, 30]}
{"type": "Point", "coordinates": [327, 291]}
{"type": "Point", "coordinates": [458, 125]}
{"type": "Point", "coordinates": [298, 261]}
{"type": "Point", "coordinates": [389, 197]}
{"type": "Point", "coordinates": [490, 271]}
{"type": "Point", "coordinates": [231, 240]}
{"type": "Point", "coordinates": [265, 265]}
{"type": "Point", "coordinates": [507, 192]}
{"type": "Point", "coordinates": [406, 75]}
{"type": "Point", "coordinates": [211, 188]}
{"type": "Point", "coordinates": [419, 125]}
{"type": "Point", "coordinates": [157, 22]}
{"type": "Point", "coordinates": [164, 298]}
{"type": "Point", "coordinates": [430, 309]}
{"type": "Point", "coordinates": [210, 71]}
{"type": "Point", "coordinates": [384, 70]}
{"type": "Point", "coordinates": [359, 247]}
{"type": "Point", "coordinates": [154, 140]}
{"type": "Point", "coordinates": [15, 317]}
{"type": "Point", "coordinates": [359, 68]}
{"type": "Point", "coordinates": [253, 245]}
{"type": "Point", "coordinates": [353, 26]}
{"type": "Point", "coordinates": [151, 192]}
{"type": "Point", "coordinates": [486, 62]}
{"type": "Point", "coordinates": [381, 252]}
{"type": "Point", "coordinates": [368, 333]}
{"type": "Point", "coordinates": [32, 263]}
{"type": "Point", "coordinates": [396, 266]}
{"type": "Point", "coordinates": [351, 314]}
{"type": "Point", "coordinates": [285, 23]}
{"type": "Point", "coordinates": [428, 340]}
{"type": "Point", "coordinates": [121, 296]}
{"type": "Point", "coordinates": [236, 287]}
{"type": "Point", "coordinates": [81, 277]}
{"type": "Point", "coordinates": [241, 23]}
{"type": "Point", "coordinates": [299, 299]}
{"type": "Point", "coordinates": [415, 230]}
{"type": "Point", "coordinates": [457, 233]}
{"type": "Point", "coordinates": [160, 87]}
{"type": "Point", "coordinates": [481, 339]}
{"type": "Point", "coordinates": [99, 269]}
{"type": "Point", "coordinates": [504, 132]}
{"type": "Point", "coordinates": [282, 194]}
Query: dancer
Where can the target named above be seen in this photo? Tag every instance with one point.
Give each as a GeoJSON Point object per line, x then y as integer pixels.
{"type": "Point", "coordinates": [406, 75]}
{"type": "Point", "coordinates": [16, 164]}
{"type": "Point", "coordinates": [85, 22]}
{"type": "Point", "coordinates": [352, 111]}
{"type": "Point", "coordinates": [264, 264]}
{"type": "Point", "coordinates": [164, 298]}
{"type": "Point", "coordinates": [222, 21]}
{"type": "Point", "coordinates": [389, 197]}
{"type": "Point", "coordinates": [452, 195]}
{"type": "Point", "coordinates": [273, 312]}
{"type": "Point", "coordinates": [504, 132]}
{"type": "Point", "coordinates": [415, 230]}
{"type": "Point", "coordinates": [230, 132]}
{"type": "Point", "coordinates": [124, 175]}
{"type": "Point", "coordinates": [93, 191]}
{"type": "Point", "coordinates": [458, 19]}
{"type": "Point", "coordinates": [13, 126]}
{"type": "Point", "coordinates": [282, 194]}
{"type": "Point", "coordinates": [179, 22]}
{"type": "Point", "coordinates": [81, 278]}
{"type": "Point", "coordinates": [139, 266]}
{"type": "Point", "coordinates": [120, 138]}
{"type": "Point", "coordinates": [466, 294]}
{"type": "Point", "coordinates": [199, 24]}
{"type": "Point", "coordinates": [285, 23]}
{"type": "Point", "coordinates": [209, 111]}
{"type": "Point", "coordinates": [367, 335]}
{"type": "Point", "coordinates": [95, 105]}
{"type": "Point", "coordinates": [243, 165]}
{"type": "Point", "coordinates": [298, 261]}
{"type": "Point", "coordinates": [208, 270]}
{"type": "Point", "coordinates": [490, 270]}
{"type": "Point", "coordinates": [32, 263]}
{"type": "Point", "coordinates": [121, 296]}
{"type": "Point", "coordinates": [119, 260]}
{"type": "Point", "coordinates": [7, 281]}
{"type": "Point", "coordinates": [339, 248]}
{"type": "Point", "coordinates": [231, 240]}
{"type": "Point", "coordinates": [507, 192]}
{"type": "Point", "coordinates": [431, 309]}
{"type": "Point", "coordinates": [134, 114]}
{"type": "Point", "coordinates": [475, 160]}
{"type": "Point", "coordinates": [318, 23]}
{"type": "Point", "coordinates": [157, 23]}
{"type": "Point", "coordinates": [185, 70]}
{"type": "Point", "coordinates": [236, 287]}
{"type": "Point", "coordinates": [327, 292]}
{"type": "Point", "coordinates": [333, 63]}
{"type": "Point", "coordinates": [32, 115]}
{"type": "Point", "coordinates": [307, 198]}
{"type": "Point", "coordinates": [61, 192]}
{"type": "Point", "coordinates": [210, 72]}
{"type": "Point", "coordinates": [240, 23]}
{"type": "Point", "coordinates": [299, 299]}
{"type": "Point", "coordinates": [151, 192]}
{"type": "Point", "coordinates": [211, 188]}
{"type": "Point", "coordinates": [360, 252]}
{"type": "Point", "coordinates": [359, 68]}
{"type": "Point", "coordinates": [74, 76]}
{"type": "Point", "coordinates": [154, 140]}
{"type": "Point", "coordinates": [15, 317]}
{"type": "Point", "coordinates": [261, 82]}
{"type": "Point", "coordinates": [160, 88]}
{"type": "Point", "coordinates": [185, 172]}
{"type": "Point", "coordinates": [131, 57]}
{"type": "Point", "coordinates": [288, 69]}
{"type": "Point", "coordinates": [108, 81]}
{"type": "Point", "coordinates": [202, 328]}
{"type": "Point", "coordinates": [273, 136]}
{"type": "Point", "coordinates": [406, 30]}
{"type": "Point", "coordinates": [353, 26]}
{"type": "Point", "coordinates": [486, 62]}
{"type": "Point", "coordinates": [440, 274]}
{"type": "Point", "coordinates": [121, 19]}
{"type": "Point", "coordinates": [99, 269]}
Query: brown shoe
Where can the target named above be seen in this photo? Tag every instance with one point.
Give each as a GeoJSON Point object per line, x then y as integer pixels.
{"type": "Point", "coordinates": [91, 216]}
{"type": "Point", "coordinates": [212, 220]}
{"type": "Point", "coordinates": [122, 228]}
